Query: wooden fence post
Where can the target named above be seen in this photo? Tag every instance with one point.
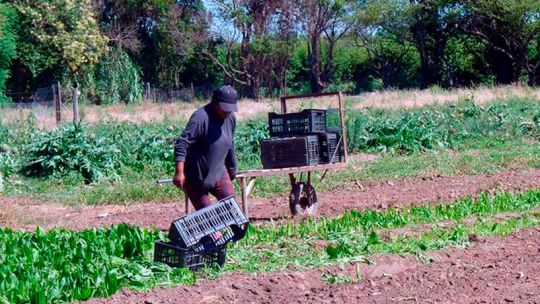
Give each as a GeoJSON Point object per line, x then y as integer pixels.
{"type": "Point", "coordinates": [53, 94]}
{"type": "Point", "coordinates": [75, 100]}
{"type": "Point", "coordinates": [58, 103]}
{"type": "Point", "coordinates": [147, 91]}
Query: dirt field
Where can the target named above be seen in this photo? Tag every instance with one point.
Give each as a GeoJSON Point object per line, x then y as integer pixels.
{"type": "Point", "coordinates": [25, 214]}
{"type": "Point", "coordinates": [492, 270]}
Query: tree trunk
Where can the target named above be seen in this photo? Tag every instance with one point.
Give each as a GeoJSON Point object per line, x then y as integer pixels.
{"type": "Point", "coordinates": [503, 67]}
{"type": "Point", "coordinates": [315, 62]}
{"type": "Point", "coordinates": [329, 68]}
{"type": "Point", "coordinates": [428, 69]}
{"type": "Point", "coordinates": [252, 89]}
{"type": "Point", "coordinates": [534, 75]}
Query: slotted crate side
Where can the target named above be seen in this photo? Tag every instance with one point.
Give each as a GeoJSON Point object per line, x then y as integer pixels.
{"type": "Point", "coordinates": [188, 230]}
{"type": "Point", "coordinates": [300, 123]}
{"type": "Point", "coordinates": [329, 144]}
{"type": "Point", "coordinates": [175, 256]}
{"type": "Point", "coordinates": [290, 152]}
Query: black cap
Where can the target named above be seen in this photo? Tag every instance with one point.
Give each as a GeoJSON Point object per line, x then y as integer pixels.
{"type": "Point", "coordinates": [226, 97]}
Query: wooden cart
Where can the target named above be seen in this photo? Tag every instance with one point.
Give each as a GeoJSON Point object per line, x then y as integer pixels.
{"type": "Point", "coordinates": [302, 199]}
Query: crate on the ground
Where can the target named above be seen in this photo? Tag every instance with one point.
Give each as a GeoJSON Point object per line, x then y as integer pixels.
{"type": "Point", "coordinates": [331, 147]}
{"type": "Point", "coordinates": [290, 152]}
{"type": "Point", "coordinates": [216, 224]}
{"type": "Point", "coordinates": [289, 124]}
{"type": "Point", "coordinates": [175, 256]}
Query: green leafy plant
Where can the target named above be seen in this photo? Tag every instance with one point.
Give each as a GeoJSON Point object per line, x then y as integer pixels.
{"type": "Point", "coordinates": [247, 139]}
{"type": "Point", "coordinates": [62, 265]}
{"type": "Point", "coordinates": [8, 46]}
{"type": "Point", "coordinates": [116, 79]}
{"type": "Point", "coordinates": [338, 278]}
{"type": "Point", "coordinates": [72, 148]}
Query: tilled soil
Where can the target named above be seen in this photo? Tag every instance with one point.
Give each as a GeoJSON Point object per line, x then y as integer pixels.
{"type": "Point", "coordinates": [26, 214]}
{"type": "Point", "coordinates": [491, 270]}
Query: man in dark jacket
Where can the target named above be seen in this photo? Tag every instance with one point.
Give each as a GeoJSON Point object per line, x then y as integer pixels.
{"type": "Point", "coordinates": [204, 153]}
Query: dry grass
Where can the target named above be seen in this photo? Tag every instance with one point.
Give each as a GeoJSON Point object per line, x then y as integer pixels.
{"type": "Point", "coordinates": [420, 98]}
{"type": "Point", "coordinates": [147, 112]}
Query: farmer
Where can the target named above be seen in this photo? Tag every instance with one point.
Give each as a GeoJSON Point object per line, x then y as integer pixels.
{"type": "Point", "coordinates": [204, 153]}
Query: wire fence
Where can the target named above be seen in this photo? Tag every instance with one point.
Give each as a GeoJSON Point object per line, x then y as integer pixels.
{"type": "Point", "coordinates": [189, 94]}
{"type": "Point", "coordinates": [42, 97]}
{"type": "Point", "coordinates": [45, 97]}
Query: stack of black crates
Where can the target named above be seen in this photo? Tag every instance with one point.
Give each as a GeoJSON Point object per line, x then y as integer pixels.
{"type": "Point", "coordinates": [199, 239]}
{"type": "Point", "coordinates": [300, 139]}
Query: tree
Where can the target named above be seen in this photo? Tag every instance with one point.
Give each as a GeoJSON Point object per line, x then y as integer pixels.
{"type": "Point", "coordinates": [254, 52]}
{"type": "Point", "coordinates": [508, 28]}
{"type": "Point", "coordinates": [159, 35]}
{"type": "Point", "coordinates": [430, 35]}
{"type": "Point", "coordinates": [177, 39]}
{"type": "Point", "coordinates": [328, 17]}
{"type": "Point", "coordinates": [59, 33]}
{"type": "Point", "coordinates": [382, 28]}
{"type": "Point", "coordinates": [8, 47]}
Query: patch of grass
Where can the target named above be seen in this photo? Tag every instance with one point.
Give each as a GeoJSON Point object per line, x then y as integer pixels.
{"type": "Point", "coordinates": [362, 223]}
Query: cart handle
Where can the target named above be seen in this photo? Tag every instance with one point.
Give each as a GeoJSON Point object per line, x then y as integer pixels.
{"type": "Point", "coordinates": [164, 181]}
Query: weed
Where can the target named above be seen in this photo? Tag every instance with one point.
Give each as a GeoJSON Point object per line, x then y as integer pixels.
{"type": "Point", "coordinates": [338, 278]}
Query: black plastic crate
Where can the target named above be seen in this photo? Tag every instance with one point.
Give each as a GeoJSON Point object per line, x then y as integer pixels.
{"type": "Point", "coordinates": [224, 217]}
{"type": "Point", "coordinates": [290, 152]}
{"type": "Point", "coordinates": [290, 124]}
{"type": "Point", "coordinates": [175, 256]}
{"type": "Point", "coordinates": [331, 148]}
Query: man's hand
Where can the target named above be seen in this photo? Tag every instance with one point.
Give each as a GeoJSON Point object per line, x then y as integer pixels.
{"type": "Point", "coordinates": [179, 178]}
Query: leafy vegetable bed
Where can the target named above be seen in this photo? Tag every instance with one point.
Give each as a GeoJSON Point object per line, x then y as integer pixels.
{"type": "Point", "coordinates": [61, 265]}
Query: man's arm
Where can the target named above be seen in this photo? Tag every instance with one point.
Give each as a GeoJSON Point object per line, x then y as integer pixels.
{"type": "Point", "coordinates": [231, 162]}
{"type": "Point", "coordinates": [189, 136]}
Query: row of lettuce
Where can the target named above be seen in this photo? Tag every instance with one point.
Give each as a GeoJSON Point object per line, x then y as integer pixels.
{"type": "Point", "coordinates": [62, 265]}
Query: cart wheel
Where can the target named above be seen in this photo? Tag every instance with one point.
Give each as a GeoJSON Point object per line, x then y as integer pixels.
{"type": "Point", "coordinates": [303, 199]}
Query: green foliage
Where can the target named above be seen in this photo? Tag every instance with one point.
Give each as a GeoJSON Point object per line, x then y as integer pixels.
{"type": "Point", "coordinates": [465, 62]}
{"type": "Point", "coordinates": [137, 153]}
{"type": "Point", "coordinates": [62, 265]}
{"type": "Point", "coordinates": [13, 140]}
{"type": "Point", "coordinates": [355, 235]}
{"type": "Point", "coordinates": [142, 146]}
{"type": "Point", "coordinates": [391, 63]}
{"type": "Point", "coordinates": [406, 133]}
{"type": "Point", "coordinates": [437, 127]}
{"type": "Point", "coordinates": [59, 32]}
{"type": "Point", "coordinates": [71, 148]}
{"type": "Point", "coordinates": [247, 139]}
{"type": "Point", "coordinates": [116, 79]}
{"type": "Point", "coordinates": [366, 222]}
{"type": "Point", "coordinates": [8, 47]}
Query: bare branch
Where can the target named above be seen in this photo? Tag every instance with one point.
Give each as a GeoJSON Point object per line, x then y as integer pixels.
{"type": "Point", "coordinates": [228, 70]}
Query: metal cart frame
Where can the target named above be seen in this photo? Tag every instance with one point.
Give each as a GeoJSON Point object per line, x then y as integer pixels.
{"type": "Point", "coordinates": [246, 179]}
